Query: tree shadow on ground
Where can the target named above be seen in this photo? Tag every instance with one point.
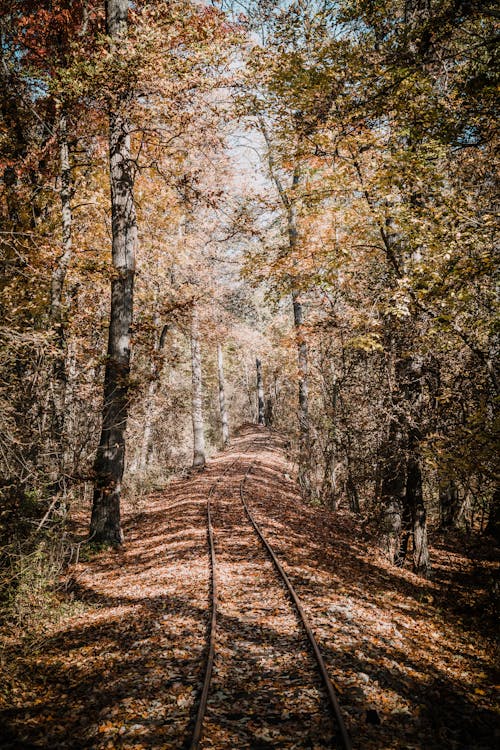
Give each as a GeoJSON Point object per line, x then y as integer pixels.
{"type": "Point", "coordinates": [127, 672]}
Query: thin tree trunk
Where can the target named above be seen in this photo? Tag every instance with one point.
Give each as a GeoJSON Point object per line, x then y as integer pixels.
{"type": "Point", "coordinates": [393, 459]}
{"type": "Point", "coordinates": [402, 495]}
{"type": "Point", "coordinates": [449, 504]}
{"type": "Point", "coordinates": [304, 426]}
{"type": "Point", "coordinates": [59, 381]}
{"type": "Point", "coordinates": [222, 398]}
{"type": "Point", "coordinates": [352, 492]}
{"type": "Point", "coordinates": [105, 526]}
{"type": "Point", "coordinates": [260, 394]}
{"type": "Point", "coordinates": [415, 502]}
{"type": "Point", "coordinates": [329, 487]}
{"type": "Point", "coordinates": [61, 268]}
{"type": "Point", "coordinates": [288, 202]}
{"type": "Point", "coordinates": [249, 390]}
{"type": "Point", "coordinates": [493, 524]}
{"type": "Point", "coordinates": [147, 436]}
{"type": "Point", "coordinates": [197, 395]}
{"type": "Point", "coordinates": [268, 413]}
{"type": "Point", "coordinates": [392, 491]}
{"type": "Point", "coordinates": [302, 359]}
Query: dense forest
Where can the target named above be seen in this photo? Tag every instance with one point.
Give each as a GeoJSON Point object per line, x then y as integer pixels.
{"type": "Point", "coordinates": [271, 213]}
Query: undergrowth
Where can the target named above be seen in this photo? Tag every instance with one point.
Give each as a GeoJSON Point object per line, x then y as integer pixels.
{"type": "Point", "coordinates": [34, 552]}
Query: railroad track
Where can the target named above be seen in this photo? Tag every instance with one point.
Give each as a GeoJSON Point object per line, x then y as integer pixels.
{"type": "Point", "coordinates": [340, 739]}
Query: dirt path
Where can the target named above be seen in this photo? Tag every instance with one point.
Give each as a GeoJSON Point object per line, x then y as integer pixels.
{"type": "Point", "coordinates": [125, 671]}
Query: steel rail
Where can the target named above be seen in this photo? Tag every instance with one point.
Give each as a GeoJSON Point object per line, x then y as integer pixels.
{"type": "Point", "coordinates": [334, 704]}
{"type": "Point", "coordinates": [202, 705]}
{"type": "Point", "coordinates": [197, 732]}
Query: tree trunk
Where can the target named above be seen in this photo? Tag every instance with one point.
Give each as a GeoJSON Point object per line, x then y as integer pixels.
{"type": "Point", "coordinates": [222, 398]}
{"type": "Point", "coordinates": [392, 491]}
{"type": "Point", "coordinates": [105, 526]}
{"type": "Point", "coordinates": [61, 268]}
{"type": "Point", "coordinates": [197, 396]}
{"type": "Point", "coordinates": [329, 492]}
{"type": "Point", "coordinates": [402, 497]}
{"type": "Point", "coordinates": [268, 414]}
{"type": "Point", "coordinates": [493, 525]}
{"type": "Point", "coordinates": [350, 484]}
{"type": "Point", "coordinates": [449, 504]}
{"type": "Point", "coordinates": [304, 426]}
{"type": "Point", "coordinates": [260, 394]}
{"type": "Point", "coordinates": [289, 205]}
{"type": "Point", "coordinates": [147, 437]}
{"type": "Point", "coordinates": [302, 358]}
{"type": "Point", "coordinates": [298, 318]}
{"type": "Point", "coordinates": [352, 492]}
{"type": "Point", "coordinates": [415, 503]}
{"type": "Point", "coordinates": [59, 380]}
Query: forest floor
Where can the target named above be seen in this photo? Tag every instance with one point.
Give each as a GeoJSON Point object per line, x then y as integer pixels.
{"type": "Point", "coordinates": [413, 661]}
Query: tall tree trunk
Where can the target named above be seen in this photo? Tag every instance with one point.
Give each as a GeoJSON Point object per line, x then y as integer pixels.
{"type": "Point", "coordinates": [302, 359]}
{"type": "Point", "coordinates": [402, 496]}
{"type": "Point", "coordinates": [289, 205]}
{"type": "Point", "coordinates": [147, 436]}
{"type": "Point", "coordinates": [304, 425]}
{"type": "Point", "coordinates": [260, 394]}
{"type": "Point", "coordinates": [61, 268]}
{"type": "Point", "coordinates": [57, 316]}
{"type": "Point", "coordinates": [197, 396]}
{"type": "Point", "coordinates": [222, 398]}
{"type": "Point", "coordinates": [392, 490]}
{"type": "Point", "coordinates": [415, 502]}
{"type": "Point", "coordinates": [268, 412]}
{"type": "Point", "coordinates": [105, 523]}
{"type": "Point", "coordinates": [329, 492]}
{"type": "Point", "coordinates": [400, 509]}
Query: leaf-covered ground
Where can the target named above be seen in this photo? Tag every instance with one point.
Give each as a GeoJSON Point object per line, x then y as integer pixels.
{"type": "Point", "coordinates": [413, 661]}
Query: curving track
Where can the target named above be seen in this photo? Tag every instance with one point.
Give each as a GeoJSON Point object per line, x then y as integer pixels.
{"type": "Point", "coordinates": [240, 582]}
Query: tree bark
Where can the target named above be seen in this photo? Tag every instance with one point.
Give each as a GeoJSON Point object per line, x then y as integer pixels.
{"type": "Point", "coordinates": [61, 268]}
{"type": "Point", "coordinates": [261, 419]}
{"type": "Point", "coordinates": [402, 496]}
{"type": "Point", "coordinates": [493, 525]}
{"type": "Point", "coordinates": [56, 294]}
{"type": "Point", "coordinates": [392, 491]}
{"type": "Point", "coordinates": [105, 525]}
{"type": "Point", "coordinates": [415, 502]}
{"type": "Point", "coordinates": [197, 396]}
{"type": "Point", "coordinates": [147, 435]}
{"type": "Point", "coordinates": [329, 492]}
{"type": "Point", "coordinates": [448, 504]}
{"type": "Point", "coordinates": [352, 492]}
{"type": "Point", "coordinates": [304, 425]}
{"type": "Point", "coordinates": [147, 448]}
{"type": "Point", "coordinates": [289, 206]}
{"type": "Point", "coordinates": [222, 398]}
{"type": "Point", "coordinates": [302, 359]}
{"type": "Point", "coordinates": [268, 412]}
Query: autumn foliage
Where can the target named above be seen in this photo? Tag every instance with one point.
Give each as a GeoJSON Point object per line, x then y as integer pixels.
{"type": "Point", "coordinates": [189, 188]}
